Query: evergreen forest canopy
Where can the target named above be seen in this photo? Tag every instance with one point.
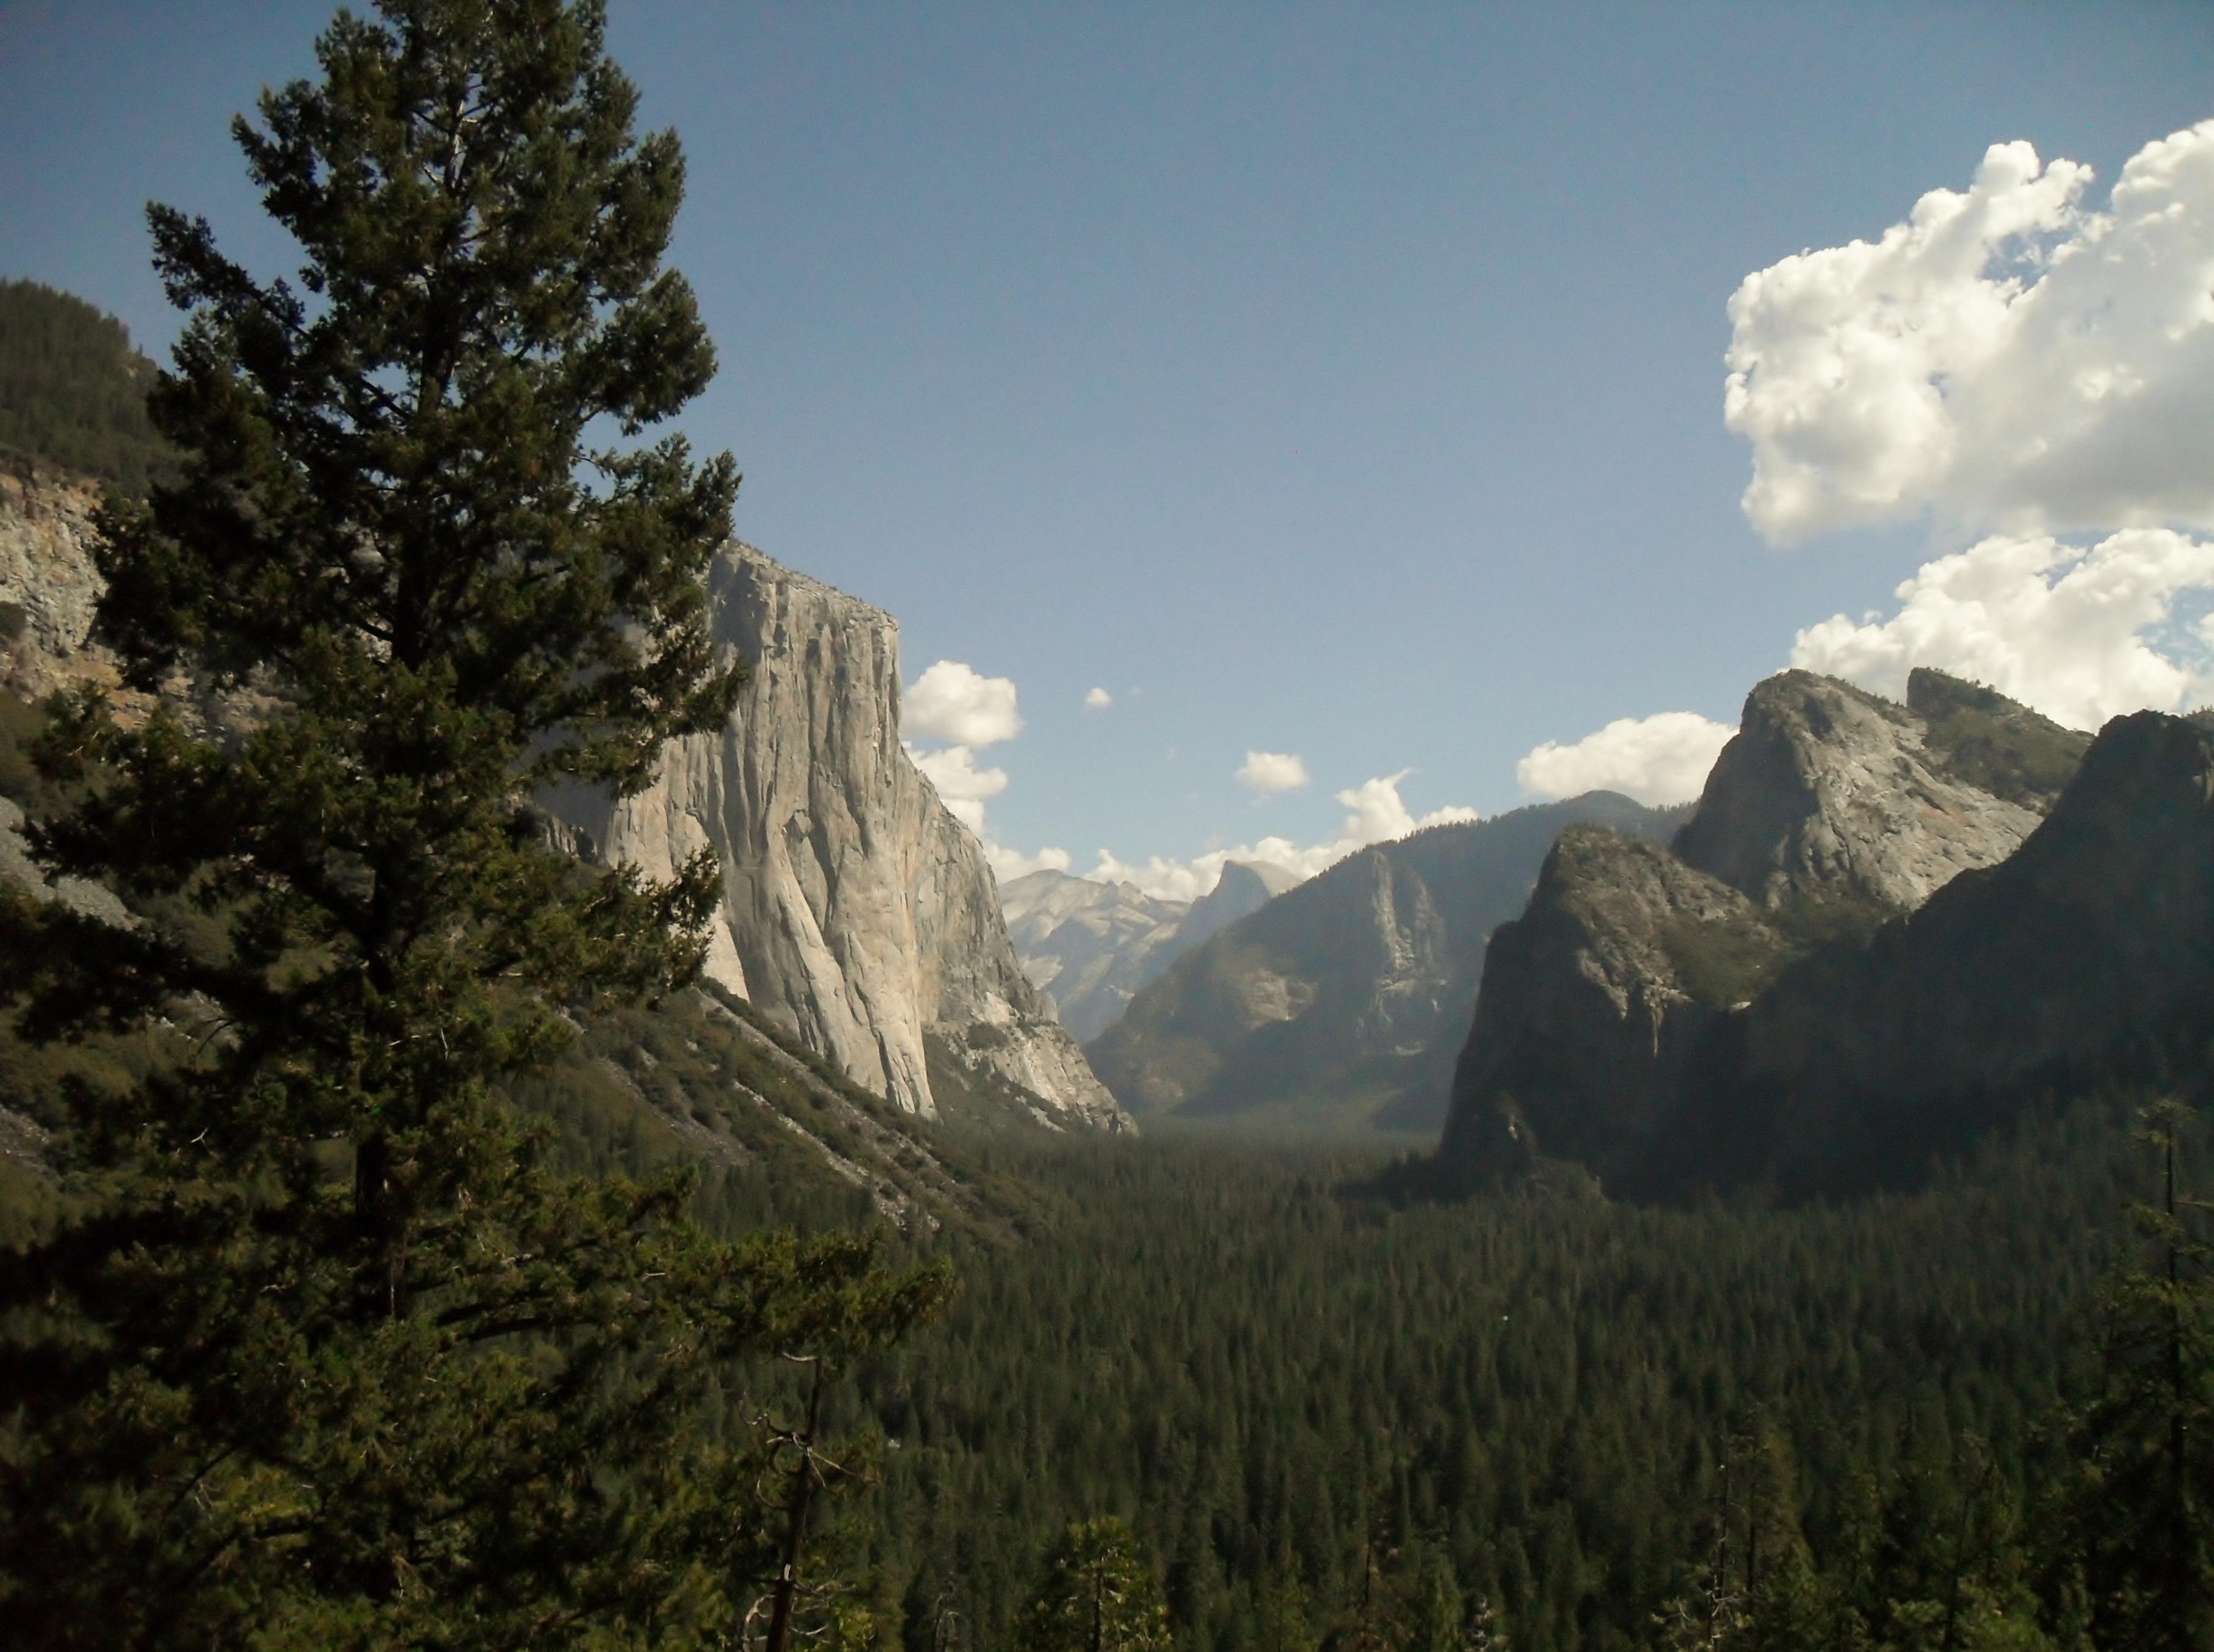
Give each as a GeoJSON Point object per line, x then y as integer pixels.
{"type": "Point", "coordinates": [73, 391]}
{"type": "Point", "coordinates": [373, 1287]}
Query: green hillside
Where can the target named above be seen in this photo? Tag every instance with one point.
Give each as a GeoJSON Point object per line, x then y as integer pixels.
{"type": "Point", "coordinates": [73, 390]}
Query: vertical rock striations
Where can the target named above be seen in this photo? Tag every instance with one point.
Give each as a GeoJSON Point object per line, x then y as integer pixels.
{"type": "Point", "coordinates": [48, 584]}
{"type": "Point", "coordinates": [857, 914]}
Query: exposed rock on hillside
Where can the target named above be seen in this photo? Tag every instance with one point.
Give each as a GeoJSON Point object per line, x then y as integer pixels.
{"type": "Point", "coordinates": [1592, 1001]}
{"type": "Point", "coordinates": [48, 584]}
{"type": "Point", "coordinates": [1341, 1004]}
{"type": "Point", "coordinates": [50, 587]}
{"type": "Point", "coordinates": [1634, 1013]}
{"type": "Point", "coordinates": [1827, 790]}
{"type": "Point", "coordinates": [19, 872]}
{"type": "Point", "coordinates": [2088, 954]}
{"type": "Point", "coordinates": [1090, 945]}
{"type": "Point", "coordinates": [857, 914]}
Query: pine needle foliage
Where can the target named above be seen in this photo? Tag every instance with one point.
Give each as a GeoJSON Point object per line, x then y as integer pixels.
{"type": "Point", "coordinates": [2138, 1515]}
{"type": "Point", "coordinates": [325, 1354]}
{"type": "Point", "coordinates": [1101, 1594]}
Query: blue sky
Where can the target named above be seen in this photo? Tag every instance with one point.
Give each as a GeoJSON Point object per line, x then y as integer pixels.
{"type": "Point", "coordinates": [1344, 382]}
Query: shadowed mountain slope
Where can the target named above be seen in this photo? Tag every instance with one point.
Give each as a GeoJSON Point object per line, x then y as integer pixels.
{"type": "Point", "coordinates": [1865, 947]}
{"type": "Point", "coordinates": [1090, 945]}
{"type": "Point", "coordinates": [1339, 1005]}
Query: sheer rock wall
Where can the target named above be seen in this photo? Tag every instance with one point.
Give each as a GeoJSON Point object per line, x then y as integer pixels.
{"type": "Point", "coordinates": [857, 912]}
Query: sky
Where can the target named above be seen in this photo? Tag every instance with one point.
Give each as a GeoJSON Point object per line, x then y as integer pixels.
{"type": "Point", "coordinates": [1276, 426]}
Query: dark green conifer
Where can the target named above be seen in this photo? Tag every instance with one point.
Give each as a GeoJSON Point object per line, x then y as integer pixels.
{"type": "Point", "coordinates": [325, 1355]}
{"type": "Point", "coordinates": [73, 391]}
{"type": "Point", "coordinates": [1101, 1594]}
{"type": "Point", "coordinates": [2139, 1531]}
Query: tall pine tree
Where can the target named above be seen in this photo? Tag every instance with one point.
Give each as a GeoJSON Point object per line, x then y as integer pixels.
{"type": "Point", "coordinates": [2136, 1531]}
{"type": "Point", "coordinates": [324, 1354]}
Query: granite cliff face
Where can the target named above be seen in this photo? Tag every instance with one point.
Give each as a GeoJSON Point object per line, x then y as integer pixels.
{"type": "Point", "coordinates": [1340, 1005]}
{"type": "Point", "coordinates": [48, 584]}
{"type": "Point", "coordinates": [1091, 946]}
{"type": "Point", "coordinates": [1827, 790]}
{"type": "Point", "coordinates": [857, 914]}
{"type": "Point", "coordinates": [1617, 1027]}
{"type": "Point", "coordinates": [2087, 956]}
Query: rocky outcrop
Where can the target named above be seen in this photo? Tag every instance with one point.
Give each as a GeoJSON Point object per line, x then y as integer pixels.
{"type": "Point", "coordinates": [1827, 790]}
{"type": "Point", "coordinates": [50, 591]}
{"type": "Point", "coordinates": [19, 871]}
{"type": "Point", "coordinates": [858, 915]}
{"type": "Point", "coordinates": [1653, 1017]}
{"type": "Point", "coordinates": [1341, 1004]}
{"type": "Point", "coordinates": [1091, 945]}
{"type": "Point", "coordinates": [49, 586]}
{"type": "Point", "coordinates": [1592, 1001]}
{"type": "Point", "coordinates": [2085, 958]}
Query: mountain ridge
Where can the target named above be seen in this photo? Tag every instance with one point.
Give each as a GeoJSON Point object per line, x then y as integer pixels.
{"type": "Point", "coordinates": [1090, 945]}
{"type": "Point", "coordinates": [1340, 1004]}
{"type": "Point", "coordinates": [1903, 965]}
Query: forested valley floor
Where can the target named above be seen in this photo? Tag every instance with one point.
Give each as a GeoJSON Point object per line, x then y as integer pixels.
{"type": "Point", "coordinates": [1562, 1425]}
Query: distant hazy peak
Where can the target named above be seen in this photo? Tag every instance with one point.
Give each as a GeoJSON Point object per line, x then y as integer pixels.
{"type": "Point", "coordinates": [1274, 877]}
{"type": "Point", "coordinates": [1039, 902]}
{"type": "Point", "coordinates": [1243, 888]}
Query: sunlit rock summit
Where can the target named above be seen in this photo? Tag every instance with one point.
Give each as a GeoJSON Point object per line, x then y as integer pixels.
{"type": "Point", "coordinates": [1884, 925]}
{"type": "Point", "coordinates": [858, 913]}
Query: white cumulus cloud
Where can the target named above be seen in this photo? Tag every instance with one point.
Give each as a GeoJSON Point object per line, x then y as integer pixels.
{"type": "Point", "coordinates": [1273, 771]}
{"type": "Point", "coordinates": [2078, 635]}
{"type": "Point", "coordinates": [950, 702]}
{"type": "Point", "coordinates": [1656, 760]}
{"type": "Point", "coordinates": [961, 787]}
{"type": "Point", "coordinates": [1377, 813]}
{"type": "Point", "coordinates": [1008, 864]}
{"type": "Point", "coordinates": [2005, 356]}
{"type": "Point", "coordinates": [1099, 700]}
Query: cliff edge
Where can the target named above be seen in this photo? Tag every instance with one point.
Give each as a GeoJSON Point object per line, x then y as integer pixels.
{"type": "Point", "coordinates": [1630, 1021]}
{"type": "Point", "coordinates": [858, 915]}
